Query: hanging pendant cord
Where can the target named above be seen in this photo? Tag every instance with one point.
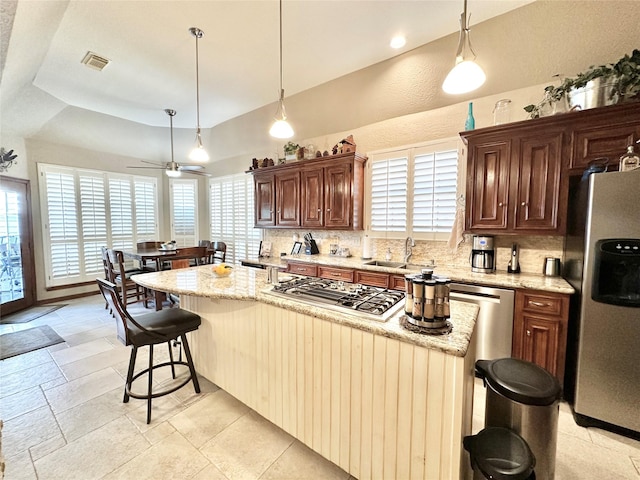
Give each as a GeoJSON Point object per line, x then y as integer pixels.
{"type": "Point", "coordinates": [281, 89]}
{"type": "Point", "coordinates": [198, 34]}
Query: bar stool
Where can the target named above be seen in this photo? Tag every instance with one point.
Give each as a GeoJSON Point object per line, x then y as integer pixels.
{"type": "Point", "coordinates": [152, 329]}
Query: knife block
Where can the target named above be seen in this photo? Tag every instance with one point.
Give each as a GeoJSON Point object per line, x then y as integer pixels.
{"type": "Point", "coordinates": [311, 248]}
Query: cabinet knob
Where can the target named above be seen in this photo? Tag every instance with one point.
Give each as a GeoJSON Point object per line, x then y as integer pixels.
{"type": "Point", "coordinates": [328, 209]}
{"type": "Point", "coordinates": [528, 333]}
{"type": "Point", "coordinates": [500, 204]}
{"type": "Point", "coordinates": [524, 204]}
{"type": "Point", "coordinates": [319, 210]}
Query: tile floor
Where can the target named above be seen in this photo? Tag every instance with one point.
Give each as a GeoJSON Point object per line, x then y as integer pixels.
{"type": "Point", "coordinates": [64, 419]}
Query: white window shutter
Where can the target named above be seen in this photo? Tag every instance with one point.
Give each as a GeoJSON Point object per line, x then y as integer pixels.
{"type": "Point", "coordinates": [121, 210]}
{"type": "Point", "coordinates": [389, 195]}
{"type": "Point", "coordinates": [93, 214]}
{"type": "Point", "coordinates": [146, 212]}
{"type": "Point", "coordinates": [184, 208]}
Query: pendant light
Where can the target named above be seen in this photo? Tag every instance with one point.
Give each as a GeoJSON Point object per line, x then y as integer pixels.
{"type": "Point", "coordinates": [467, 75]}
{"type": "Point", "coordinates": [281, 128]}
{"type": "Point", "coordinates": [198, 154]}
{"type": "Point", "coordinates": [172, 168]}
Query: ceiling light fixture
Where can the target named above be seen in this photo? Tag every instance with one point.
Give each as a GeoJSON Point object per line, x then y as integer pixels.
{"type": "Point", "coordinates": [467, 75]}
{"type": "Point", "coordinates": [198, 154]}
{"type": "Point", "coordinates": [172, 168]}
{"type": "Point", "coordinates": [281, 128]}
{"type": "Point", "coordinates": [398, 41]}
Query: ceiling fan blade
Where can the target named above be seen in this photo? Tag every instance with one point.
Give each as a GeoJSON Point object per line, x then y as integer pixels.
{"type": "Point", "coordinates": [154, 163]}
{"type": "Point", "coordinates": [149, 168]}
{"type": "Point", "coordinates": [195, 172]}
{"type": "Point", "coordinates": [190, 168]}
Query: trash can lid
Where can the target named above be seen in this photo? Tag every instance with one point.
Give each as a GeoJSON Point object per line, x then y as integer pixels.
{"type": "Point", "coordinates": [519, 380]}
{"type": "Point", "coordinates": [500, 454]}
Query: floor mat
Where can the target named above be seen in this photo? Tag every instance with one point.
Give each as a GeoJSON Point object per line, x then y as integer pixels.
{"type": "Point", "coordinates": [29, 314]}
{"type": "Point", "coordinates": [17, 343]}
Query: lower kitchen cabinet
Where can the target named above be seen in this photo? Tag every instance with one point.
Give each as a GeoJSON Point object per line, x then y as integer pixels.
{"type": "Point", "coordinates": [335, 273]}
{"type": "Point", "coordinates": [540, 329]}
{"type": "Point", "coordinates": [375, 279]}
{"type": "Point", "coordinates": [302, 268]}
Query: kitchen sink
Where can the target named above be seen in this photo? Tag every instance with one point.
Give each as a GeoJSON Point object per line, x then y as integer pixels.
{"type": "Point", "coordinates": [379, 263]}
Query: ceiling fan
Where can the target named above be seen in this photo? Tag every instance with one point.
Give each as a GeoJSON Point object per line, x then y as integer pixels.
{"type": "Point", "coordinates": [172, 168]}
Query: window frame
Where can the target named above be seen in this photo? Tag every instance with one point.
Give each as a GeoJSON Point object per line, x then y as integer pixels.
{"type": "Point", "coordinates": [410, 152]}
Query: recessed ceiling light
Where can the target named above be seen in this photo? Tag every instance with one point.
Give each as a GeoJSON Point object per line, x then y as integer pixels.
{"type": "Point", "coordinates": [398, 41]}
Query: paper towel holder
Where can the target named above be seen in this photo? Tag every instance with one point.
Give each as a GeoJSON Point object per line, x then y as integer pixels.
{"type": "Point", "coordinates": [366, 248]}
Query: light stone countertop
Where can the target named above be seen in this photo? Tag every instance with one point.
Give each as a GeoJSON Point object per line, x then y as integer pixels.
{"type": "Point", "coordinates": [246, 283]}
{"type": "Point", "coordinates": [456, 273]}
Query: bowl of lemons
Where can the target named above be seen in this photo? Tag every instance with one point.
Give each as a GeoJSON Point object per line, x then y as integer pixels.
{"type": "Point", "coordinates": [222, 270]}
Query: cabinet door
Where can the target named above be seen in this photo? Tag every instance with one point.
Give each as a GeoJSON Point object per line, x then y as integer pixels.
{"type": "Point", "coordinates": [375, 279]}
{"type": "Point", "coordinates": [303, 268]}
{"type": "Point", "coordinates": [536, 183]}
{"type": "Point", "coordinates": [338, 195]}
{"type": "Point", "coordinates": [288, 199]}
{"type": "Point", "coordinates": [312, 196]}
{"type": "Point", "coordinates": [540, 342]}
{"type": "Point", "coordinates": [335, 273]}
{"type": "Point", "coordinates": [488, 185]}
{"type": "Point", "coordinates": [265, 197]}
{"type": "Point", "coordinates": [609, 142]}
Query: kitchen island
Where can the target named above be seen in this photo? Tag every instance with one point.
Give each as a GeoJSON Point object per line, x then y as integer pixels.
{"type": "Point", "coordinates": [375, 399]}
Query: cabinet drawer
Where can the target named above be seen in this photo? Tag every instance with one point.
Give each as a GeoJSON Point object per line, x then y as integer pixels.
{"type": "Point", "coordinates": [375, 279]}
{"type": "Point", "coordinates": [597, 142]}
{"type": "Point", "coordinates": [335, 273]}
{"type": "Point", "coordinates": [303, 269]}
{"type": "Point", "coordinates": [544, 304]}
{"type": "Point", "coordinates": [397, 282]}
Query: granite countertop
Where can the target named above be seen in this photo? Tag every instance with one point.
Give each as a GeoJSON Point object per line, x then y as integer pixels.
{"type": "Point", "coordinates": [246, 283]}
{"type": "Point", "coordinates": [456, 273]}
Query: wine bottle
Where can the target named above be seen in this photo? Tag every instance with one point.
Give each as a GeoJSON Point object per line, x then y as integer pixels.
{"type": "Point", "coordinates": [470, 124]}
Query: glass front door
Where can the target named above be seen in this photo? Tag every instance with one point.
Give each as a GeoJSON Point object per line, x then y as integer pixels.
{"type": "Point", "coordinates": [17, 279]}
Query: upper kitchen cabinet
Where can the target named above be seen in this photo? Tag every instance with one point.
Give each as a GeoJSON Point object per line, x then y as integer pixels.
{"type": "Point", "coordinates": [277, 199]}
{"type": "Point", "coordinates": [604, 133]}
{"type": "Point", "coordinates": [518, 173]}
{"type": "Point", "coordinates": [514, 183]}
{"type": "Point", "coordinates": [328, 194]}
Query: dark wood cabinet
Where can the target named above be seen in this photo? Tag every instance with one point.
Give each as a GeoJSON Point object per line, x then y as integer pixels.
{"type": "Point", "coordinates": [277, 199]}
{"type": "Point", "coordinates": [375, 279]}
{"type": "Point", "coordinates": [540, 329]}
{"type": "Point", "coordinates": [309, 269]}
{"type": "Point", "coordinates": [514, 185]}
{"type": "Point", "coordinates": [324, 194]}
{"type": "Point", "coordinates": [335, 273]}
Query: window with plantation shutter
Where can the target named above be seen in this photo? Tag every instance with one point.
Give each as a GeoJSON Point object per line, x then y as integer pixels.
{"type": "Point", "coordinates": [184, 208]}
{"type": "Point", "coordinates": [413, 190]}
{"type": "Point", "coordinates": [84, 210]}
{"type": "Point", "coordinates": [232, 216]}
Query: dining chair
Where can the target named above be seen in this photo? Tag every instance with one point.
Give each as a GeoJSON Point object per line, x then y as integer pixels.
{"type": "Point", "coordinates": [119, 275]}
{"type": "Point", "coordinates": [196, 255]}
{"type": "Point", "coordinates": [219, 252]}
{"type": "Point", "coordinates": [204, 243]}
{"type": "Point", "coordinates": [148, 245]}
{"type": "Point", "coordinates": [149, 329]}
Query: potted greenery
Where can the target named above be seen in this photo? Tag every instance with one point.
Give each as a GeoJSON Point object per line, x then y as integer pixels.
{"type": "Point", "coordinates": [290, 151]}
{"type": "Point", "coordinates": [598, 86]}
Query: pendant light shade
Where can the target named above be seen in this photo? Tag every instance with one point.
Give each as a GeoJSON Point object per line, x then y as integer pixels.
{"type": "Point", "coordinates": [281, 128]}
{"type": "Point", "coordinates": [466, 75]}
{"type": "Point", "coordinates": [198, 154]}
{"type": "Point", "coordinates": [172, 169]}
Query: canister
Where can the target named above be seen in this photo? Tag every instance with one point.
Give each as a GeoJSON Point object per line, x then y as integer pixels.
{"type": "Point", "coordinates": [418, 298]}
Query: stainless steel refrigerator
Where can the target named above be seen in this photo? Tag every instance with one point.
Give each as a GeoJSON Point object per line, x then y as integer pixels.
{"type": "Point", "coordinates": [602, 262]}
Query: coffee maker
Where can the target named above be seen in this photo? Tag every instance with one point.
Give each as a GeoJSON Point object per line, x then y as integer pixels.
{"type": "Point", "coordinates": [483, 255]}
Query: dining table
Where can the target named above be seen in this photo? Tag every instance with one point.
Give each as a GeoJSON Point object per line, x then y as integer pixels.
{"type": "Point", "coordinates": [159, 256]}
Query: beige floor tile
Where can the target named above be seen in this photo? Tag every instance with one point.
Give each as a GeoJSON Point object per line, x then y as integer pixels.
{"type": "Point", "coordinates": [187, 394]}
{"type": "Point", "coordinates": [95, 363]}
{"type": "Point", "coordinates": [580, 460]}
{"type": "Point", "coordinates": [616, 442]}
{"type": "Point", "coordinates": [56, 382]}
{"type": "Point", "coordinates": [300, 462]}
{"type": "Point", "coordinates": [246, 448]}
{"type": "Point", "coordinates": [636, 463]}
{"type": "Point", "coordinates": [158, 432]}
{"type": "Point", "coordinates": [202, 421]}
{"type": "Point", "coordinates": [80, 352]}
{"type": "Point", "coordinates": [93, 414]}
{"type": "Point", "coordinates": [162, 409]}
{"type": "Point", "coordinates": [89, 335]}
{"type": "Point", "coordinates": [48, 446]}
{"type": "Point", "coordinates": [85, 388]}
{"type": "Point", "coordinates": [25, 431]}
{"type": "Point", "coordinates": [29, 378]}
{"type": "Point", "coordinates": [567, 425]}
{"type": "Point", "coordinates": [21, 402]}
{"type": "Point", "coordinates": [95, 454]}
{"type": "Point", "coordinates": [173, 457]}
{"type": "Point", "coordinates": [20, 467]}
{"type": "Point", "coordinates": [210, 472]}
{"type": "Point", "coordinates": [24, 361]}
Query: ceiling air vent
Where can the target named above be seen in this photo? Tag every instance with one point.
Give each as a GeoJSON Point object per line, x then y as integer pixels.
{"type": "Point", "coordinates": [95, 61]}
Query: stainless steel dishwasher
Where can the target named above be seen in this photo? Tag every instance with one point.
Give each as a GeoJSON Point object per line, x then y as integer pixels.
{"type": "Point", "coordinates": [494, 326]}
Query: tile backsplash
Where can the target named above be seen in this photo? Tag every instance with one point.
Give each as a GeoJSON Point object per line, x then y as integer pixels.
{"type": "Point", "coordinates": [533, 249]}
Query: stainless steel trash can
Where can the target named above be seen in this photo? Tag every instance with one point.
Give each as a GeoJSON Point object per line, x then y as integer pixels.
{"type": "Point", "coordinates": [500, 453]}
{"type": "Point", "coordinates": [525, 398]}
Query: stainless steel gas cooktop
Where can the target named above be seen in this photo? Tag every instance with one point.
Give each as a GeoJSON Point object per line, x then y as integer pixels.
{"type": "Point", "coordinates": [362, 301]}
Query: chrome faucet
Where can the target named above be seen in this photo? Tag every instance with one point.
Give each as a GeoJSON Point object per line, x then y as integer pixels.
{"type": "Point", "coordinates": [408, 243]}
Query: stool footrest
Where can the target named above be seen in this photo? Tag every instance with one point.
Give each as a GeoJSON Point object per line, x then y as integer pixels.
{"type": "Point", "coordinates": [163, 392]}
